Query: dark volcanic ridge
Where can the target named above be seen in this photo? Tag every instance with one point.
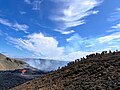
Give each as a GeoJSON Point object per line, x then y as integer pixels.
{"type": "Point", "coordinates": [95, 72]}
{"type": "Point", "coordinates": [12, 78]}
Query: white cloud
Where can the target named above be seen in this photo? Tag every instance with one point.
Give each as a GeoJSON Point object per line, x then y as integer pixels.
{"type": "Point", "coordinates": [5, 22]}
{"type": "Point", "coordinates": [71, 13]}
{"type": "Point", "coordinates": [116, 26]}
{"type": "Point", "coordinates": [115, 16]}
{"type": "Point", "coordinates": [112, 30]}
{"type": "Point", "coordinates": [22, 27]}
{"type": "Point", "coordinates": [46, 47]}
{"type": "Point", "coordinates": [76, 43]}
{"type": "Point", "coordinates": [110, 37]}
{"type": "Point", "coordinates": [118, 9]}
{"type": "Point", "coordinates": [95, 12]}
{"type": "Point", "coordinates": [76, 46]}
{"type": "Point", "coordinates": [64, 31]}
{"type": "Point", "coordinates": [36, 4]}
{"type": "Point", "coordinates": [27, 1]}
{"type": "Point", "coordinates": [16, 26]}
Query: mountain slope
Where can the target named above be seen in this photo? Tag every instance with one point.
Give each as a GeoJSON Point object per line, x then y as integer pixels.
{"type": "Point", "coordinates": [11, 64]}
{"type": "Point", "coordinates": [96, 72]}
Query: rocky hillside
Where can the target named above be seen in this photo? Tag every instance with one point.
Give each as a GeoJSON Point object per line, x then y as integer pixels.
{"type": "Point", "coordinates": [95, 72]}
{"type": "Point", "coordinates": [12, 78]}
{"type": "Point", "coordinates": [7, 63]}
{"type": "Point", "coordinates": [9, 79]}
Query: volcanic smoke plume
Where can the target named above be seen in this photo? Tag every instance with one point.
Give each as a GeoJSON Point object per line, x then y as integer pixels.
{"type": "Point", "coordinates": [45, 64]}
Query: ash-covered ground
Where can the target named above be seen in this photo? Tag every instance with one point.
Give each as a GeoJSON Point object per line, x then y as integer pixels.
{"type": "Point", "coordinates": [12, 78]}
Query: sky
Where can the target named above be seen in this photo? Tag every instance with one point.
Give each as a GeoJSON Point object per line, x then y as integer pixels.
{"type": "Point", "coordinates": [58, 29]}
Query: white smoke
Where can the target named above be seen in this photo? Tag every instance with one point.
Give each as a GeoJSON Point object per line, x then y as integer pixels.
{"type": "Point", "coordinates": [45, 64]}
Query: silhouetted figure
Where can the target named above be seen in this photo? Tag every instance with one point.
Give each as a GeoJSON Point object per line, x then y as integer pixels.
{"type": "Point", "coordinates": [104, 52]}
{"type": "Point", "coordinates": [110, 51]}
{"type": "Point", "coordinates": [114, 53]}
{"type": "Point", "coordinates": [97, 54]}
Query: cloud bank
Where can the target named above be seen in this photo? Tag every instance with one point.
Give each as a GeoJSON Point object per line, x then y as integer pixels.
{"type": "Point", "coordinates": [47, 47]}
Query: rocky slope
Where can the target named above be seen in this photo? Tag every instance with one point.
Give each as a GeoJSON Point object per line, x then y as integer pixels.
{"type": "Point", "coordinates": [96, 72]}
{"type": "Point", "coordinates": [7, 63]}
{"type": "Point", "coordinates": [12, 78]}
{"type": "Point", "coordinates": [9, 79]}
{"type": "Point", "coordinates": [11, 72]}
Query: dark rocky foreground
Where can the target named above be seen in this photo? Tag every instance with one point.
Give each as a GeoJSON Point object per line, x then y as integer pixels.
{"type": "Point", "coordinates": [96, 72]}
{"type": "Point", "coordinates": [12, 78]}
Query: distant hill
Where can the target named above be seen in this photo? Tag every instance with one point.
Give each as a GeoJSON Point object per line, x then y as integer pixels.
{"type": "Point", "coordinates": [95, 72]}
{"type": "Point", "coordinates": [7, 63]}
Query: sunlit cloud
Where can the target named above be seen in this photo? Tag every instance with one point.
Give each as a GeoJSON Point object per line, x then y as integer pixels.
{"type": "Point", "coordinates": [37, 43]}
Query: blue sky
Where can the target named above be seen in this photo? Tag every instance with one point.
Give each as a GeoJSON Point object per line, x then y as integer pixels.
{"type": "Point", "coordinates": [58, 29]}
